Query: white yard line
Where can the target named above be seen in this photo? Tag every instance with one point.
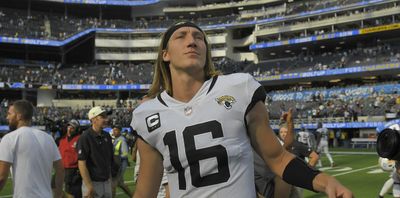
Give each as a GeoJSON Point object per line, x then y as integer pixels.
{"type": "Point", "coordinates": [356, 170]}
{"type": "Point", "coordinates": [339, 174]}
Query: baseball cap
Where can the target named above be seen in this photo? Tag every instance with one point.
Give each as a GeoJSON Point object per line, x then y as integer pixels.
{"type": "Point", "coordinates": [95, 111]}
{"type": "Point", "coordinates": [74, 123]}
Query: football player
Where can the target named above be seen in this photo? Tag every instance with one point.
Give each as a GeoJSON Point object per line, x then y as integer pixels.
{"type": "Point", "coordinates": [396, 180]}
{"type": "Point", "coordinates": [322, 142]}
{"type": "Point", "coordinates": [202, 127]}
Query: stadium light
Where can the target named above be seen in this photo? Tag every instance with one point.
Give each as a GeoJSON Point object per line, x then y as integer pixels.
{"type": "Point", "coordinates": [335, 80]}
{"type": "Point", "coordinates": [369, 77]}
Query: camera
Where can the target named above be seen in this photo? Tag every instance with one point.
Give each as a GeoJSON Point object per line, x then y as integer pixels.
{"type": "Point", "coordinates": [388, 144]}
{"type": "Point", "coordinates": [54, 126]}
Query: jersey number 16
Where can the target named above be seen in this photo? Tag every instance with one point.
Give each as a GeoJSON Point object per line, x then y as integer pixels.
{"type": "Point", "coordinates": [194, 155]}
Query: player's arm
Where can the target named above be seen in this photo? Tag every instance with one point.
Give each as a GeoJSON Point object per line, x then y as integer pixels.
{"type": "Point", "coordinates": [83, 155]}
{"type": "Point", "coordinates": [313, 158]}
{"type": "Point", "coordinates": [124, 149]}
{"type": "Point", "coordinates": [284, 164]}
{"type": "Point", "coordinates": [289, 139]}
{"type": "Point", "coordinates": [318, 137]}
{"type": "Point", "coordinates": [166, 187]}
{"type": "Point", "coordinates": [150, 171]}
{"type": "Point", "coordinates": [4, 172]}
{"type": "Point", "coordinates": [59, 178]}
{"type": "Point", "coordinates": [86, 177]}
{"type": "Point", "coordinates": [263, 140]}
{"type": "Point", "coordinates": [134, 149]}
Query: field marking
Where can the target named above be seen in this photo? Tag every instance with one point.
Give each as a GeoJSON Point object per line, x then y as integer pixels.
{"type": "Point", "coordinates": [118, 193]}
{"type": "Point", "coordinates": [377, 171]}
{"type": "Point", "coordinates": [356, 170]}
{"type": "Point", "coordinates": [339, 174]}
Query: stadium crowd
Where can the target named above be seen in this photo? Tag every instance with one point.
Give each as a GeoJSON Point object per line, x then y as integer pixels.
{"type": "Point", "coordinates": [114, 73]}
{"type": "Point", "coordinates": [362, 55]}
{"type": "Point", "coordinates": [111, 74]}
{"type": "Point", "coordinates": [53, 116]}
{"type": "Point", "coordinates": [39, 25]}
{"type": "Point", "coordinates": [346, 105]}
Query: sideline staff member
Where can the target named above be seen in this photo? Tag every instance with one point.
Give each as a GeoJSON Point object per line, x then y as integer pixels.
{"type": "Point", "coordinates": [69, 156]}
{"type": "Point", "coordinates": [95, 155]}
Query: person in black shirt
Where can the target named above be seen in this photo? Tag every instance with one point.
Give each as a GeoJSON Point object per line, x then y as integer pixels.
{"type": "Point", "coordinates": [95, 155]}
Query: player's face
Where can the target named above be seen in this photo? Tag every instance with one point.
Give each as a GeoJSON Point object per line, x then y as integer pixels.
{"type": "Point", "coordinates": [70, 129]}
{"type": "Point", "coordinates": [283, 132]}
{"type": "Point", "coordinates": [116, 132]}
{"type": "Point", "coordinates": [101, 120]}
{"type": "Point", "coordinates": [12, 118]}
{"type": "Point", "coordinates": [186, 50]}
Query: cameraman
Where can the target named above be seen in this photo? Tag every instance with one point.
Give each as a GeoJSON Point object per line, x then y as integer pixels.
{"type": "Point", "coordinates": [69, 156]}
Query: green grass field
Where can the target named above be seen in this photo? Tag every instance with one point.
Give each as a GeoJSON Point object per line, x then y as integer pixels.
{"type": "Point", "coordinates": [358, 172]}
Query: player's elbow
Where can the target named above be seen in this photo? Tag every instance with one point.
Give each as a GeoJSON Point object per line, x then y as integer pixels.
{"type": "Point", "coordinates": [313, 159]}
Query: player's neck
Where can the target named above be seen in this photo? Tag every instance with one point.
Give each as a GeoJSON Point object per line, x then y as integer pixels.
{"type": "Point", "coordinates": [97, 129]}
{"type": "Point", "coordinates": [185, 87]}
{"type": "Point", "coordinates": [23, 124]}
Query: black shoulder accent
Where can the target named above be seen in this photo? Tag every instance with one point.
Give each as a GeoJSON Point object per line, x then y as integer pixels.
{"type": "Point", "coordinates": [259, 95]}
{"type": "Point", "coordinates": [136, 134]}
{"type": "Point", "coordinates": [214, 80]}
{"type": "Point", "coordinates": [161, 100]}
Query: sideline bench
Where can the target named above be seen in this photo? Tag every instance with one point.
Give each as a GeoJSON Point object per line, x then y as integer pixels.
{"type": "Point", "coordinates": [368, 142]}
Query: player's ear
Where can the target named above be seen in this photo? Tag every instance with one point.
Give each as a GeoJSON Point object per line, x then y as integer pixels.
{"type": "Point", "coordinates": [19, 116]}
{"type": "Point", "coordinates": [166, 57]}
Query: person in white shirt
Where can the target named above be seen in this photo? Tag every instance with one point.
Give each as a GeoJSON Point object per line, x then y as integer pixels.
{"type": "Point", "coordinates": [31, 153]}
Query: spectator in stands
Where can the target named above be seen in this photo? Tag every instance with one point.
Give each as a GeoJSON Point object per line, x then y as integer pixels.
{"type": "Point", "coordinates": [69, 156]}
{"type": "Point", "coordinates": [121, 158]}
{"type": "Point", "coordinates": [31, 153]}
{"type": "Point", "coordinates": [95, 155]}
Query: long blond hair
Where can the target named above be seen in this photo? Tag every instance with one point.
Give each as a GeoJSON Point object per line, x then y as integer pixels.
{"type": "Point", "coordinates": [162, 74]}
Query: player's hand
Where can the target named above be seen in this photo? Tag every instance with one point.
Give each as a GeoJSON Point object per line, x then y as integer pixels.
{"type": "Point", "coordinates": [90, 192]}
{"type": "Point", "coordinates": [336, 190]}
{"type": "Point", "coordinates": [287, 116]}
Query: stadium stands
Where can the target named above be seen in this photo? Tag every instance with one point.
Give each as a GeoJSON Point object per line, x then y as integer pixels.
{"type": "Point", "coordinates": [252, 16]}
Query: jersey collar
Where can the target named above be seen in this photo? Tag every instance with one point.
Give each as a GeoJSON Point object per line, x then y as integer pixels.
{"type": "Point", "coordinates": [168, 101]}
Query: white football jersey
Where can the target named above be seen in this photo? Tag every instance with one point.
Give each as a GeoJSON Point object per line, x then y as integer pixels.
{"type": "Point", "coordinates": [324, 133]}
{"type": "Point", "coordinates": [307, 138]}
{"type": "Point", "coordinates": [204, 142]}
